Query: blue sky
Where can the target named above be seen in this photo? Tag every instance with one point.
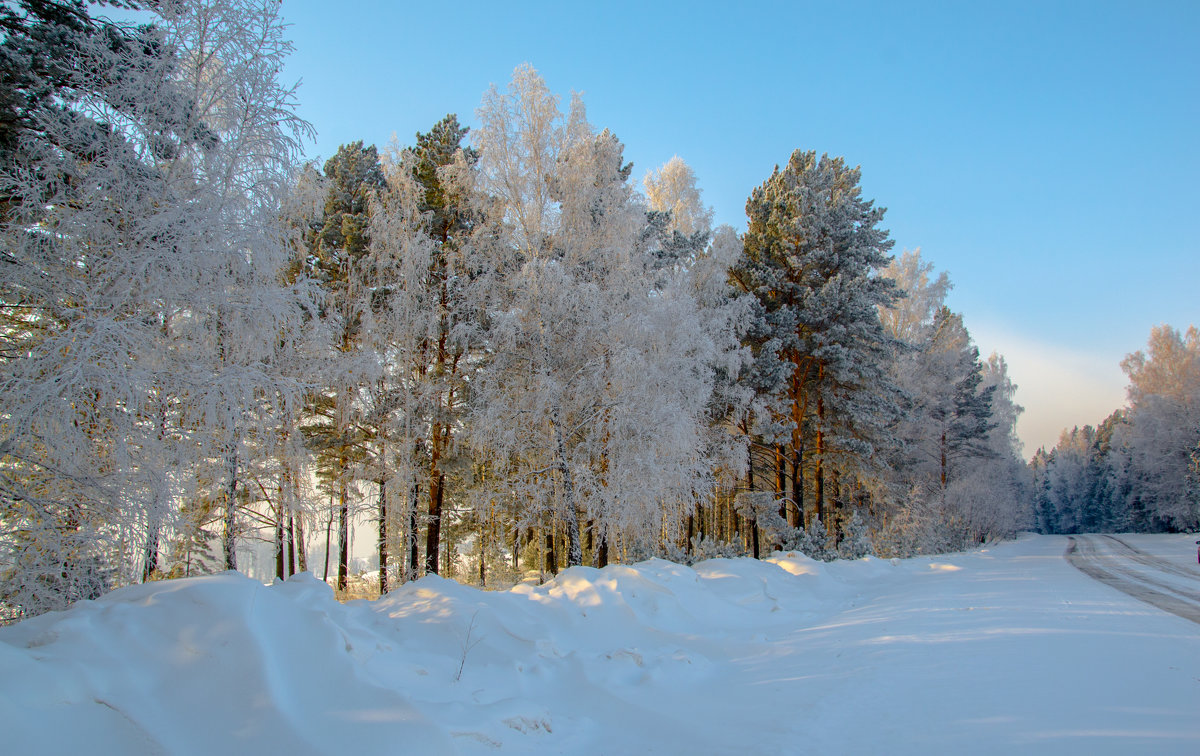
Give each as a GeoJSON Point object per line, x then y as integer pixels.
{"type": "Point", "coordinates": [1044, 154]}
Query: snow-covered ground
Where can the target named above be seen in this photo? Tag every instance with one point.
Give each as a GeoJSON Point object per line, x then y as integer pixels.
{"type": "Point", "coordinates": [1008, 649]}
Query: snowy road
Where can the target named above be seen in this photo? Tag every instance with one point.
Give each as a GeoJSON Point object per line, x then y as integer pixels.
{"type": "Point", "coordinates": [1168, 585]}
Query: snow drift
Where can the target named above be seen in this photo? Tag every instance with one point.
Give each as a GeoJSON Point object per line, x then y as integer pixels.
{"type": "Point", "coordinates": [1007, 648]}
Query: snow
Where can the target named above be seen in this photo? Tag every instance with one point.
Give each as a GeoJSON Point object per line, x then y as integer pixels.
{"type": "Point", "coordinates": [1180, 576]}
{"type": "Point", "coordinates": [1000, 650]}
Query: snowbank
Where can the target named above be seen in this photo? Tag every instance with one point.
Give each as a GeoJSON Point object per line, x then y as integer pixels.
{"type": "Point", "coordinates": [1005, 649]}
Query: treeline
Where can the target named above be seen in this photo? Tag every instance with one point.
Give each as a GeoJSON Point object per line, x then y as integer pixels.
{"type": "Point", "coordinates": [1139, 470]}
{"type": "Point", "coordinates": [491, 346]}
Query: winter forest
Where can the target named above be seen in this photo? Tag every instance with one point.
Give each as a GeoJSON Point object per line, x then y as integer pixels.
{"type": "Point", "coordinates": [490, 352]}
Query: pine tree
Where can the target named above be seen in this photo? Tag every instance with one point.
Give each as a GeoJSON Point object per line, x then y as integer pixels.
{"type": "Point", "coordinates": [338, 246]}
{"type": "Point", "coordinates": [452, 219]}
{"type": "Point", "coordinates": [429, 268]}
{"type": "Point", "coordinates": [954, 402]}
{"type": "Point", "coordinates": [812, 249]}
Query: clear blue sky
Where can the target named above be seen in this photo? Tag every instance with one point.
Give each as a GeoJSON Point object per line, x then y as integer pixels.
{"type": "Point", "coordinates": [1044, 154]}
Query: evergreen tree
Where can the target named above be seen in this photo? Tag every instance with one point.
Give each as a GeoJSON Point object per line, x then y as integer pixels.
{"type": "Point", "coordinates": [338, 245]}
{"type": "Point", "coordinates": [424, 232]}
{"type": "Point", "coordinates": [955, 474]}
{"type": "Point", "coordinates": [961, 414]}
{"type": "Point", "coordinates": [452, 219]}
{"type": "Point", "coordinates": [812, 251]}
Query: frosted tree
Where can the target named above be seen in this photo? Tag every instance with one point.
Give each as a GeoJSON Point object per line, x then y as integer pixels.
{"type": "Point", "coordinates": [1164, 425]}
{"type": "Point", "coordinates": [445, 174]}
{"type": "Point", "coordinates": [685, 251]}
{"type": "Point", "coordinates": [68, 450]}
{"type": "Point", "coordinates": [338, 247]}
{"type": "Point", "coordinates": [143, 261]}
{"type": "Point", "coordinates": [394, 405]}
{"type": "Point", "coordinates": [949, 406]}
{"type": "Point", "coordinates": [994, 492]}
{"type": "Point", "coordinates": [542, 396]}
{"type": "Point", "coordinates": [428, 229]}
{"type": "Point", "coordinates": [672, 189]}
{"type": "Point", "coordinates": [909, 318]}
{"type": "Point", "coordinates": [230, 53]}
{"type": "Point", "coordinates": [1138, 469]}
{"type": "Point", "coordinates": [521, 135]}
{"type": "Point", "coordinates": [594, 401]}
{"type": "Point", "coordinates": [955, 475]}
{"type": "Point", "coordinates": [812, 251]}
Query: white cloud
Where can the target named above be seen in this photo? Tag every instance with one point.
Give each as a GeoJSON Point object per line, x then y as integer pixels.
{"type": "Point", "coordinates": [1060, 386]}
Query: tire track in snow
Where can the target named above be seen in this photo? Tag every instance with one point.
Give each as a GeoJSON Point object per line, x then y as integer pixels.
{"type": "Point", "coordinates": [1118, 566]}
{"type": "Point", "coordinates": [1157, 563]}
{"type": "Point", "coordinates": [1108, 569]}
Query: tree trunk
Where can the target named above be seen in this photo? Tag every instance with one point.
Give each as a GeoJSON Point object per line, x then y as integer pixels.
{"type": "Point", "coordinates": [516, 547]}
{"type": "Point", "coordinates": [229, 534]}
{"type": "Point", "coordinates": [753, 504]}
{"type": "Point", "coordinates": [150, 552]}
{"type": "Point", "coordinates": [550, 565]}
{"type": "Point", "coordinates": [942, 450]}
{"type": "Point", "coordinates": [832, 527]}
{"type": "Point", "coordinates": [383, 551]}
{"type": "Point", "coordinates": [279, 543]}
{"type": "Point", "coordinates": [570, 513]}
{"type": "Point", "coordinates": [291, 544]}
{"type": "Point", "coordinates": [797, 520]}
{"type": "Point", "coordinates": [439, 428]}
{"type": "Point", "coordinates": [414, 564]}
{"type": "Point", "coordinates": [433, 528]}
{"type": "Point", "coordinates": [342, 414]}
{"type": "Point", "coordinates": [781, 481]}
{"type": "Point", "coordinates": [819, 473]}
{"type": "Point", "coordinates": [343, 571]}
{"type": "Point", "coordinates": [449, 549]}
{"type": "Point", "coordinates": [484, 523]}
{"type": "Point", "coordinates": [328, 537]}
{"type": "Point", "coordinates": [301, 547]}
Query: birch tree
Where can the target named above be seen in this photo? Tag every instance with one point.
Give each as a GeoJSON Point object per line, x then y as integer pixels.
{"type": "Point", "coordinates": [1163, 434]}
{"type": "Point", "coordinates": [593, 404]}
{"type": "Point", "coordinates": [139, 247]}
{"type": "Point", "coordinates": [672, 189]}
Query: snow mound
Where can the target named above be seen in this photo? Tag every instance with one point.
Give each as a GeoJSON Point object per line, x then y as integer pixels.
{"type": "Point", "coordinates": [911, 656]}
{"type": "Point", "coordinates": [200, 665]}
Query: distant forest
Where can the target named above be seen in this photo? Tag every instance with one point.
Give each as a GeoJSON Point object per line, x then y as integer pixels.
{"type": "Point", "coordinates": [1139, 470]}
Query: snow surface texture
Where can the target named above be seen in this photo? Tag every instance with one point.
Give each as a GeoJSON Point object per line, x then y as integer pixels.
{"type": "Point", "coordinates": [1008, 649]}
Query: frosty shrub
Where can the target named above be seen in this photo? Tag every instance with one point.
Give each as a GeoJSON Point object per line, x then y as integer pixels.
{"type": "Point", "coordinates": [857, 542]}
{"type": "Point", "coordinates": [703, 548]}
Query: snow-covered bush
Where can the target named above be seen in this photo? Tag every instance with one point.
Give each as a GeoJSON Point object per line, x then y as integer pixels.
{"type": "Point", "coordinates": [856, 543]}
